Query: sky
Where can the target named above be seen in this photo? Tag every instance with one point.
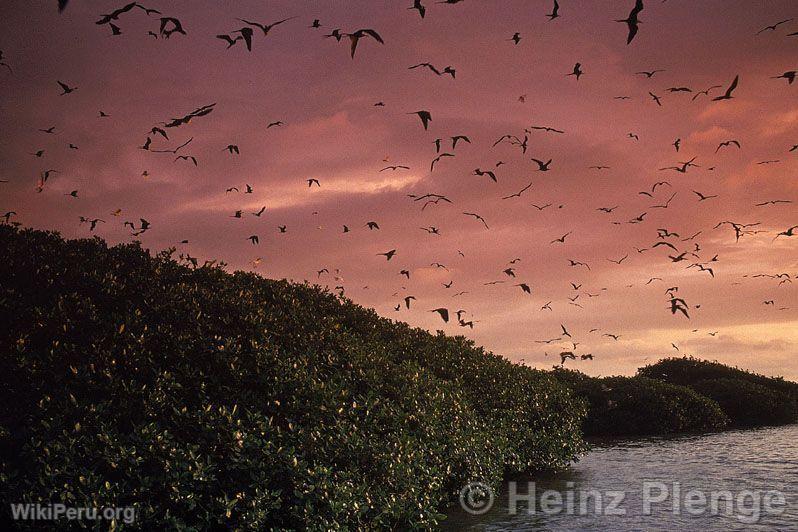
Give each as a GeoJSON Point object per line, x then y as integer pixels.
{"type": "Point", "coordinates": [332, 131]}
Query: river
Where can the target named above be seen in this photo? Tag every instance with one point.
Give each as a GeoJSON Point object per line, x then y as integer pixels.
{"type": "Point", "coordinates": [657, 484]}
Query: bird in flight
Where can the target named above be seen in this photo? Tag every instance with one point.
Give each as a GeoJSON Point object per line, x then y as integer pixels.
{"type": "Point", "coordinates": [771, 202]}
{"type": "Point", "coordinates": [706, 91]}
{"type": "Point", "coordinates": [518, 194]}
{"type": "Point", "coordinates": [632, 20]}
{"type": "Point", "coordinates": [478, 217]}
{"type": "Point", "coordinates": [66, 88]}
{"type": "Point", "coordinates": [561, 240]}
{"type": "Point", "coordinates": [170, 25]}
{"type": "Point", "coordinates": [577, 71]}
{"type": "Point", "coordinates": [525, 287]}
{"type": "Point", "coordinates": [425, 116]}
{"type": "Point", "coordinates": [726, 143]}
{"type": "Point", "coordinates": [679, 305]}
{"type": "Point", "coordinates": [355, 37]}
{"type": "Point", "coordinates": [728, 94]}
{"type": "Point", "coordinates": [655, 98]}
{"type": "Point", "coordinates": [565, 355]}
{"type": "Point", "coordinates": [428, 66]}
{"type": "Point", "coordinates": [418, 6]}
{"type": "Point", "coordinates": [789, 76]}
{"type": "Point", "coordinates": [265, 28]}
{"type": "Point", "coordinates": [773, 27]}
{"type": "Point", "coordinates": [547, 129]}
{"type": "Point", "coordinates": [443, 312]}
{"type": "Point", "coordinates": [114, 15]}
{"type": "Point", "coordinates": [650, 73]}
{"type": "Point", "coordinates": [488, 173]}
{"type": "Point", "coordinates": [555, 12]}
{"type": "Point", "coordinates": [702, 197]}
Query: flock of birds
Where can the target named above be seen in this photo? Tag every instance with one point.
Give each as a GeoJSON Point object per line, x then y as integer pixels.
{"type": "Point", "coordinates": [676, 248]}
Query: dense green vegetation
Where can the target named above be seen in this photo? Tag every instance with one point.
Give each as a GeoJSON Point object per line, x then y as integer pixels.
{"type": "Point", "coordinates": [210, 399]}
{"type": "Point", "coordinates": [748, 399]}
{"type": "Point", "coordinates": [623, 406]}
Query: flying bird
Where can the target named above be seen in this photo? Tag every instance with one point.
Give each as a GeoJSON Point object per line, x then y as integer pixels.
{"type": "Point", "coordinates": [632, 20]}
{"type": "Point", "coordinates": [789, 76]}
{"type": "Point", "coordinates": [443, 312]}
{"type": "Point", "coordinates": [114, 15]}
{"type": "Point", "coordinates": [555, 12]}
{"type": "Point", "coordinates": [577, 71]}
{"type": "Point", "coordinates": [66, 88]}
{"type": "Point", "coordinates": [425, 116]}
{"type": "Point", "coordinates": [702, 197]}
{"type": "Point", "coordinates": [561, 240]}
{"type": "Point", "coordinates": [359, 34]}
{"type": "Point", "coordinates": [655, 98]}
{"type": "Point", "coordinates": [477, 217]}
{"type": "Point", "coordinates": [650, 73]}
{"type": "Point", "coordinates": [418, 6]}
{"type": "Point", "coordinates": [488, 173]}
{"type": "Point", "coordinates": [774, 26]}
{"type": "Point", "coordinates": [170, 25]}
{"type": "Point", "coordinates": [726, 143]}
{"type": "Point", "coordinates": [265, 28]}
{"type": "Point", "coordinates": [728, 94]}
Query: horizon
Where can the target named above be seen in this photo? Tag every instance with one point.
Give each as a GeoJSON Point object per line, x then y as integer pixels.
{"type": "Point", "coordinates": [333, 132]}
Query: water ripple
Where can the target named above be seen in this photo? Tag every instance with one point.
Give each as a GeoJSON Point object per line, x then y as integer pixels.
{"type": "Point", "coordinates": [756, 460]}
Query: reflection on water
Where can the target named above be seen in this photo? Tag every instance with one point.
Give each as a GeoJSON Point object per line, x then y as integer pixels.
{"type": "Point", "coordinates": [754, 460]}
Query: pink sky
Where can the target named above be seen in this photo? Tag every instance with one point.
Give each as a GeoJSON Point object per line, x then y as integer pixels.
{"type": "Point", "coordinates": [335, 134]}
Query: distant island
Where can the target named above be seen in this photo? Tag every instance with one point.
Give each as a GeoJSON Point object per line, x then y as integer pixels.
{"type": "Point", "coordinates": [211, 399]}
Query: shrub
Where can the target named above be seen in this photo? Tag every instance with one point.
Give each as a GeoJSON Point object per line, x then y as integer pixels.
{"type": "Point", "coordinates": [749, 399]}
{"type": "Point", "coordinates": [749, 404]}
{"type": "Point", "coordinates": [642, 406]}
{"type": "Point", "coordinates": [208, 399]}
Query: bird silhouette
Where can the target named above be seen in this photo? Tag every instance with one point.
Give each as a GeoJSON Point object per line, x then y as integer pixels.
{"type": "Point", "coordinates": [774, 26]}
{"type": "Point", "coordinates": [169, 26]}
{"type": "Point", "coordinates": [355, 37]}
{"type": "Point", "coordinates": [425, 117]}
{"type": "Point", "coordinates": [66, 88]}
{"type": "Point", "coordinates": [443, 312]}
{"type": "Point", "coordinates": [577, 71]}
{"type": "Point", "coordinates": [477, 217]}
{"type": "Point", "coordinates": [418, 6]}
{"type": "Point", "coordinates": [632, 21]}
{"type": "Point", "coordinates": [727, 143]}
{"type": "Point", "coordinates": [388, 254]}
{"type": "Point", "coordinates": [728, 94]}
{"type": "Point", "coordinates": [649, 73]}
{"type": "Point", "coordinates": [554, 11]}
{"type": "Point", "coordinates": [789, 76]}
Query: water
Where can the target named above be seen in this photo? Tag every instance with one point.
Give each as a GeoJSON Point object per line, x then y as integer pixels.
{"type": "Point", "coordinates": [757, 460]}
